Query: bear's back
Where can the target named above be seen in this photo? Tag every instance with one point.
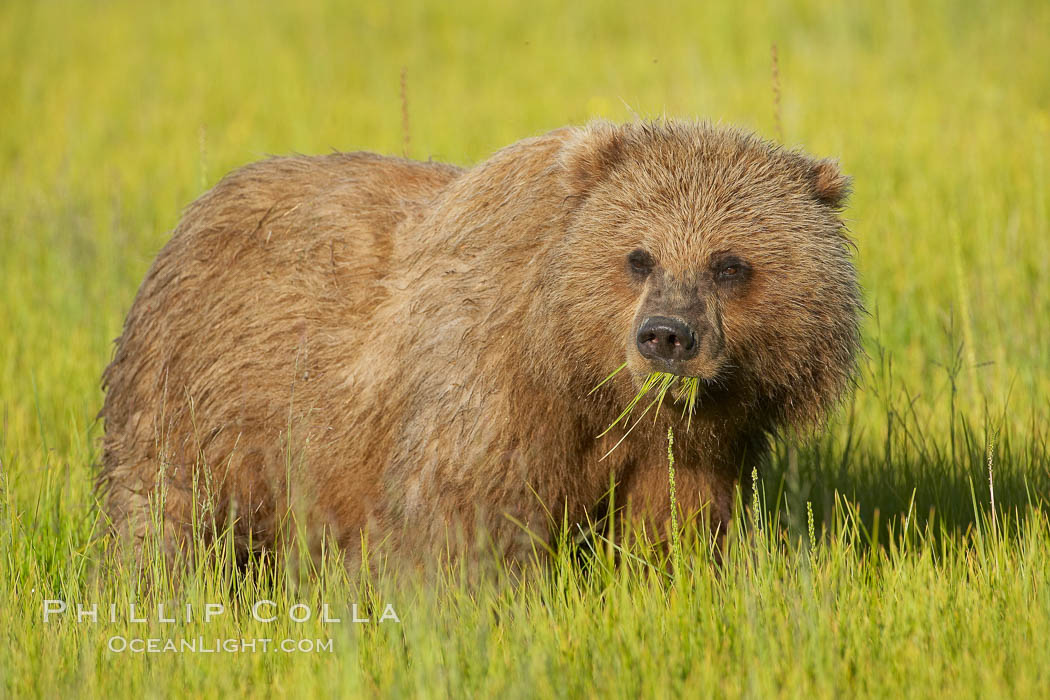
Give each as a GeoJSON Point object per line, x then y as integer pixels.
{"type": "Point", "coordinates": [267, 283]}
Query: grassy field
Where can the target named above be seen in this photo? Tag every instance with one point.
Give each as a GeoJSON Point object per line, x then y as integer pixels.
{"type": "Point", "coordinates": [872, 563]}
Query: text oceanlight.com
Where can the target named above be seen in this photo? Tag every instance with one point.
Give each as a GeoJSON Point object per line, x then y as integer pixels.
{"type": "Point", "coordinates": [199, 645]}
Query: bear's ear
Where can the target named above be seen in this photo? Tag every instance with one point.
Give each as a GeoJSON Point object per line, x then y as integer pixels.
{"type": "Point", "coordinates": [829, 185]}
{"type": "Point", "coordinates": [590, 154]}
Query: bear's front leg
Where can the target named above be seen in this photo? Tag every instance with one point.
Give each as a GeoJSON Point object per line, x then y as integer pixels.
{"type": "Point", "coordinates": [702, 495]}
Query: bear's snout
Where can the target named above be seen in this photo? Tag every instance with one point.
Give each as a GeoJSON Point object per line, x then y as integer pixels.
{"type": "Point", "coordinates": [669, 339]}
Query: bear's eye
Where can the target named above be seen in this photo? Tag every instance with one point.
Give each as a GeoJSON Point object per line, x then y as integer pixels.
{"type": "Point", "coordinates": [731, 269]}
{"type": "Point", "coordinates": [640, 262]}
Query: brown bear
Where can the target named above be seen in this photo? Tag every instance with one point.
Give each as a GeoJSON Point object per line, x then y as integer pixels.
{"type": "Point", "coordinates": [406, 351]}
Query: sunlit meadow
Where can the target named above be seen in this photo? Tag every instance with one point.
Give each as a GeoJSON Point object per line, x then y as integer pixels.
{"type": "Point", "coordinates": [870, 560]}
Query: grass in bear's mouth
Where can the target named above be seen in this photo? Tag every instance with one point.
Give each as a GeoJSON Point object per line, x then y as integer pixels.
{"type": "Point", "coordinates": [684, 390]}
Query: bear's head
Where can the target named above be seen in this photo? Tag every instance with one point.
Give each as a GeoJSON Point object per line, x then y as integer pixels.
{"type": "Point", "coordinates": [706, 252]}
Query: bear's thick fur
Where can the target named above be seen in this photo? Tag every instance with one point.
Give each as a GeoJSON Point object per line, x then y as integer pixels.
{"type": "Point", "coordinates": [407, 349]}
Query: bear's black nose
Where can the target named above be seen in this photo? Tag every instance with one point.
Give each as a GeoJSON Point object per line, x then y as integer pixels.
{"type": "Point", "coordinates": [663, 338]}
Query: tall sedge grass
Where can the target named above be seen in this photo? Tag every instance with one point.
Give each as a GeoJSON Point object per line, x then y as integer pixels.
{"type": "Point", "coordinates": [656, 386]}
